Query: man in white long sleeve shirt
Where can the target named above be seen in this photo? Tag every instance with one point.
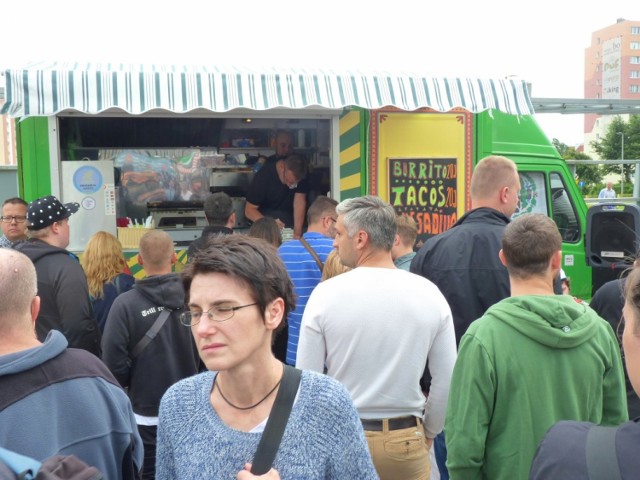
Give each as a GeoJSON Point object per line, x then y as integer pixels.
{"type": "Point", "coordinates": [374, 328]}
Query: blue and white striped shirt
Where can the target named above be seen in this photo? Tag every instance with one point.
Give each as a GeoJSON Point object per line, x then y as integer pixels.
{"type": "Point", "coordinates": [305, 275]}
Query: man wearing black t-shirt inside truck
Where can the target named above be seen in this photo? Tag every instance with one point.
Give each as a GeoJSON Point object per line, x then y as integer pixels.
{"type": "Point", "coordinates": [279, 190]}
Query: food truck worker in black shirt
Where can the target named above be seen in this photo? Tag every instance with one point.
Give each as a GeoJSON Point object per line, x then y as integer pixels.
{"type": "Point", "coordinates": [283, 143]}
{"type": "Point", "coordinates": [283, 146]}
{"type": "Point", "coordinates": [279, 190]}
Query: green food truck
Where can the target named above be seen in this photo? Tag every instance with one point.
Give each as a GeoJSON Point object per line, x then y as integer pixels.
{"type": "Point", "coordinates": [143, 143]}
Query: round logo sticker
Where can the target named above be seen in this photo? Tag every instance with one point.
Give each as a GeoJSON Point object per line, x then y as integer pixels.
{"type": "Point", "coordinates": [88, 203]}
{"type": "Point", "coordinates": [87, 179]}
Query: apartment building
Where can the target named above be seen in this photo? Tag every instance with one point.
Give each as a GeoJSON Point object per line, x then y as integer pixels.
{"type": "Point", "coordinates": [611, 71]}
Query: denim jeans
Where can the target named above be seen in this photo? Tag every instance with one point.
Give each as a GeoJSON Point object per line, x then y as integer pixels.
{"type": "Point", "coordinates": [440, 448]}
{"type": "Point", "coordinates": [400, 454]}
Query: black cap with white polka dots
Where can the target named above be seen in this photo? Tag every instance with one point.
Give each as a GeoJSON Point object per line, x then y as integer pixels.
{"type": "Point", "coordinates": [44, 211]}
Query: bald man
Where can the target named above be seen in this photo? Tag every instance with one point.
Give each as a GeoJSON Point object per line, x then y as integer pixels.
{"type": "Point", "coordinates": [463, 261]}
{"type": "Point", "coordinates": [54, 399]}
{"type": "Point", "coordinates": [169, 357]}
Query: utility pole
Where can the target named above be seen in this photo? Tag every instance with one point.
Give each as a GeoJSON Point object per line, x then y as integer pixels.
{"type": "Point", "coordinates": [622, 165]}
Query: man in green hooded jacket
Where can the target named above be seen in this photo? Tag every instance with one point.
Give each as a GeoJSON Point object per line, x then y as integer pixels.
{"type": "Point", "coordinates": [533, 359]}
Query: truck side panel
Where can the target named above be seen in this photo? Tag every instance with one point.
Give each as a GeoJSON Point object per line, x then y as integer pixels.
{"type": "Point", "coordinates": [34, 174]}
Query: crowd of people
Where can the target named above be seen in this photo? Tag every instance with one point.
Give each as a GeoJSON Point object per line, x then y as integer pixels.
{"type": "Point", "coordinates": [342, 353]}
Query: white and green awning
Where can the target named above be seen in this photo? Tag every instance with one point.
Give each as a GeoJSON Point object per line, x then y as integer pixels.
{"type": "Point", "coordinates": [44, 90]}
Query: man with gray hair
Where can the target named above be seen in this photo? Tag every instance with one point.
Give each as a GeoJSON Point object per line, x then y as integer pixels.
{"type": "Point", "coordinates": [374, 328]}
{"type": "Point", "coordinates": [56, 400]}
{"type": "Point", "coordinates": [218, 210]}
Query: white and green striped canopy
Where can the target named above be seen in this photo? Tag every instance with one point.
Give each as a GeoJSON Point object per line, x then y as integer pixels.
{"type": "Point", "coordinates": [44, 90]}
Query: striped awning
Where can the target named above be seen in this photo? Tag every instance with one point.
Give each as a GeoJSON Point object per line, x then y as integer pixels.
{"type": "Point", "coordinates": [44, 90]}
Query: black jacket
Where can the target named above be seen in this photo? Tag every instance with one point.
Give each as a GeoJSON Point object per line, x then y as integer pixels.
{"type": "Point", "coordinates": [463, 263]}
{"type": "Point", "coordinates": [608, 302]}
{"type": "Point", "coordinates": [207, 234]}
{"type": "Point", "coordinates": [171, 355]}
{"type": "Point", "coordinates": [65, 304]}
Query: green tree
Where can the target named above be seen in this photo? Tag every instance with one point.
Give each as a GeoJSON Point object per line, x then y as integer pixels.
{"type": "Point", "coordinates": [591, 175]}
{"type": "Point", "coordinates": [610, 146]}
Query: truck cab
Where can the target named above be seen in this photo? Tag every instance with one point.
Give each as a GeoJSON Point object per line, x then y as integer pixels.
{"type": "Point", "coordinates": [547, 186]}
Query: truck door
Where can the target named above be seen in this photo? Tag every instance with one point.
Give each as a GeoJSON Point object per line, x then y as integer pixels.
{"type": "Point", "coordinates": [550, 192]}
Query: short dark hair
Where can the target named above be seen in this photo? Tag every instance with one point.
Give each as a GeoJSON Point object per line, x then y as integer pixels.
{"type": "Point", "coordinates": [267, 229]}
{"type": "Point", "coordinates": [156, 248]}
{"type": "Point", "coordinates": [15, 201]}
{"type": "Point", "coordinates": [252, 261]}
{"type": "Point", "coordinates": [297, 164]}
{"type": "Point", "coordinates": [528, 243]}
{"type": "Point", "coordinates": [490, 175]}
{"type": "Point", "coordinates": [283, 131]}
{"type": "Point", "coordinates": [321, 207]}
{"type": "Point", "coordinates": [218, 207]}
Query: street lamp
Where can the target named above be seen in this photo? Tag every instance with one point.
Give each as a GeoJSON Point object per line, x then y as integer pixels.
{"type": "Point", "coordinates": [621, 165]}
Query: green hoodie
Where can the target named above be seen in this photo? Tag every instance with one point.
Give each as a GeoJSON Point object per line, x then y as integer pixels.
{"type": "Point", "coordinates": [529, 362]}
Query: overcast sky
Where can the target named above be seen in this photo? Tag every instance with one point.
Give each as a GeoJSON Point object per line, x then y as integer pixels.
{"type": "Point", "coordinates": [540, 41]}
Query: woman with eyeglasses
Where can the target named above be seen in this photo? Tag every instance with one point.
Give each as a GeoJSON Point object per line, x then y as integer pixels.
{"type": "Point", "coordinates": [577, 450]}
{"type": "Point", "coordinates": [238, 294]}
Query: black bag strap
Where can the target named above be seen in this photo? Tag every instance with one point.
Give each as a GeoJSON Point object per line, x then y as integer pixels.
{"type": "Point", "coordinates": [602, 461]}
{"type": "Point", "coordinates": [273, 431]}
{"type": "Point", "coordinates": [151, 333]}
{"type": "Point", "coordinates": [313, 253]}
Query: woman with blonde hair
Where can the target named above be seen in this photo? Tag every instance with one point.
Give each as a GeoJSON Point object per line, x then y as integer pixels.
{"type": "Point", "coordinates": [105, 267]}
{"type": "Point", "coordinates": [333, 266]}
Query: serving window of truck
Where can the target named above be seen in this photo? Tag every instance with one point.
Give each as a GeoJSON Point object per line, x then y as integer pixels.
{"type": "Point", "coordinates": [161, 169]}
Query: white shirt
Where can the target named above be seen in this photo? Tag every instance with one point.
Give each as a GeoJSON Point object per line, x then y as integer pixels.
{"type": "Point", "coordinates": [374, 328]}
{"type": "Point", "coordinates": [606, 193]}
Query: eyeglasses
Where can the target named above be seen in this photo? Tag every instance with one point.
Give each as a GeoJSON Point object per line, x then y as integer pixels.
{"type": "Point", "coordinates": [332, 219]}
{"type": "Point", "coordinates": [219, 313]}
{"type": "Point", "coordinates": [17, 218]}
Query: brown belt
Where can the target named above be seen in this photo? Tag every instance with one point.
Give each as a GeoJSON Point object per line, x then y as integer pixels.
{"type": "Point", "coordinates": [394, 423]}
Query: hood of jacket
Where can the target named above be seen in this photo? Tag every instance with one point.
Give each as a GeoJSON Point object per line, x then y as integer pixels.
{"type": "Point", "coordinates": [165, 290]}
{"type": "Point", "coordinates": [17, 362]}
{"type": "Point", "coordinates": [36, 249]}
{"type": "Point", "coordinates": [558, 321]}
